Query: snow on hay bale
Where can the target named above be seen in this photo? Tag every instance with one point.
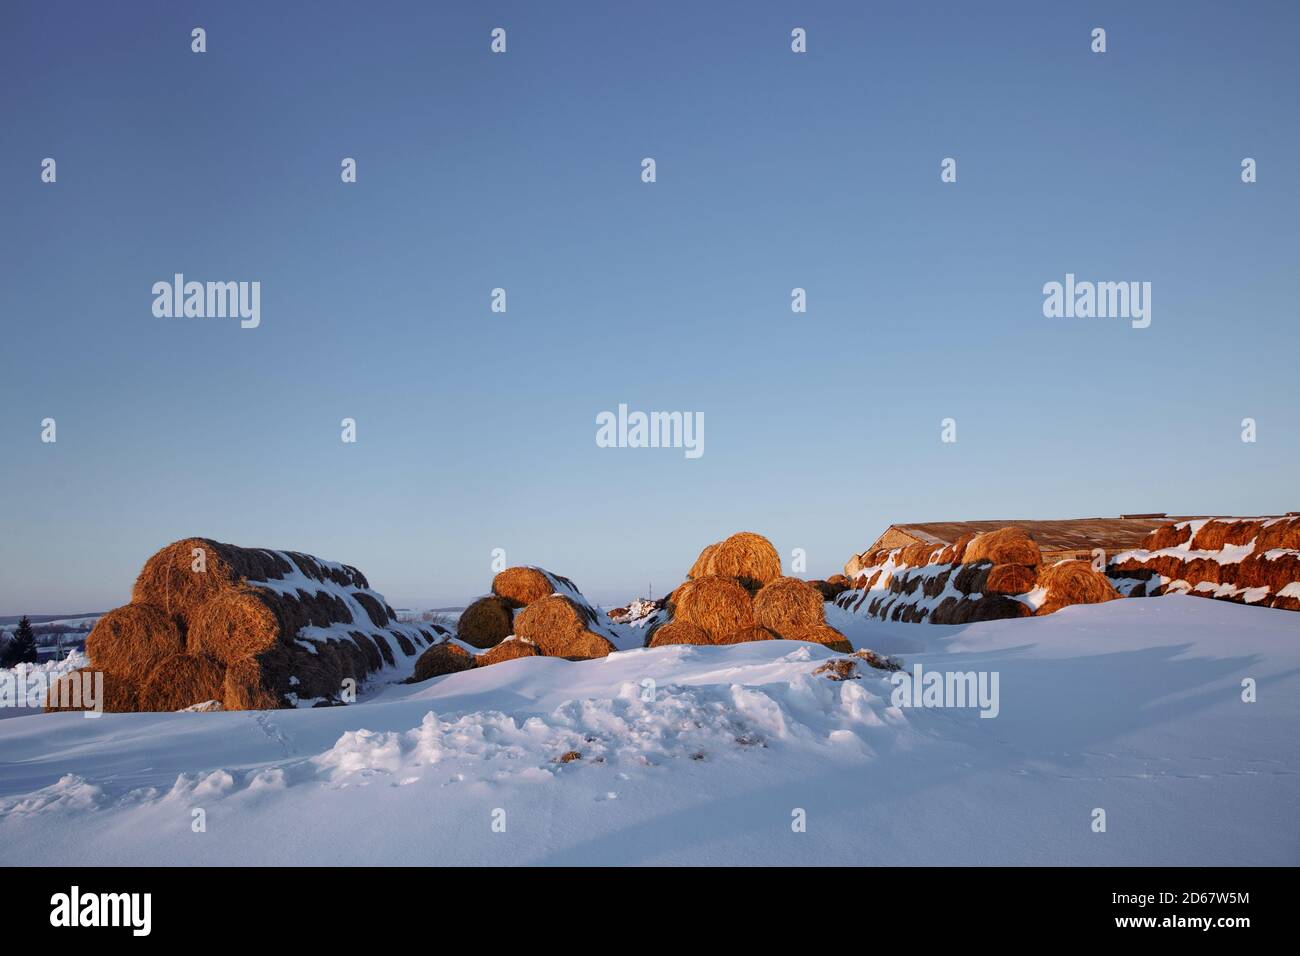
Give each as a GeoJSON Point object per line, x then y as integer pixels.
{"type": "Point", "coordinates": [512, 648]}
{"type": "Point", "coordinates": [1073, 582]}
{"type": "Point", "coordinates": [180, 681]}
{"type": "Point", "coordinates": [131, 640]}
{"type": "Point", "coordinates": [444, 658]}
{"type": "Point", "coordinates": [561, 626]}
{"type": "Point", "coordinates": [1009, 545]}
{"type": "Point", "coordinates": [746, 556]}
{"type": "Point", "coordinates": [487, 622]}
{"type": "Point", "coordinates": [523, 585]}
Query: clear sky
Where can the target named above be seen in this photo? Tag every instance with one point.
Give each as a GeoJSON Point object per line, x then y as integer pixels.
{"type": "Point", "coordinates": [476, 430]}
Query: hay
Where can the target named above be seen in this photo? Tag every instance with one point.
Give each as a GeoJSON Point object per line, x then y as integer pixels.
{"type": "Point", "coordinates": [1273, 573]}
{"type": "Point", "coordinates": [441, 659]}
{"type": "Point", "coordinates": [131, 640]}
{"type": "Point", "coordinates": [522, 586]}
{"type": "Point", "coordinates": [972, 578]}
{"type": "Point", "coordinates": [788, 604]}
{"type": "Point", "coordinates": [918, 555]}
{"type": "Point", "coordinates": [253, 684]}
{"type": "Point", "coordinates": [1167, 536]}
{"type": "Point", "coordinates": [824, 635]}
{"type": "Point", "coordinates": [718, 604]}
{"type": "Point", "coordinates": [487, 622]}
{"type": "Point", "coordinates": [1010, 579]}
{"type": "Point", "coordinates": [748, 557]}
{"type": "Point", "coordinates": [841, 668]}
{"type": "Point", "coordinates": [508, 650]}
{"type": "Point", "coordinates": [1073, 582]}
{"type": "Point", "coordinates": [121, 694]}
{"type": "Point", "coordinates": [235, 624]}
{"type": "Point", "coordinates": [755, 633]}
{"type": "Point", "coordinates": [1284, 533]}
{"type": "Point", "coordinates": [1009, 545]}
{"type": "Point", "coordinates": [181, 681]}
{"type": "Point", "coordinates": [559, 628]}
{"type": "Point", "coordinates": [679, 632]}
{"type": "Point", "coordinates": [1215, 535]}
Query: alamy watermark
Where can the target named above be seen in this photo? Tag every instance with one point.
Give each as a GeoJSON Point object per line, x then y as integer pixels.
{"type": "Point", "coordinates": [651, 430]}
{"type": "Point", "coordinates": [22, 686]}
{"type": "Point", "coordinates": [1101, 300]}
{"type": "Point", "coordinates": [208, 300]}
{"type": "Point", "coordinates": [922, 688]}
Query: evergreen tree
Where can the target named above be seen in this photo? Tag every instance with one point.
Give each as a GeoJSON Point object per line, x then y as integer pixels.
{"type": "Point", "coordinates": [22, 649]}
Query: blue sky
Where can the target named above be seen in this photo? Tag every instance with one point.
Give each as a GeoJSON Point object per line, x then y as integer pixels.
{"type": "Point", "coordinates": [477, 430]}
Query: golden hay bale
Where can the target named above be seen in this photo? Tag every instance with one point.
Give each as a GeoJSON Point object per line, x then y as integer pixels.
{"type": "Point", "coordinates": [1073, 582]}
{"type": "Point", "coordinates": [718, 604]}
{"type": "Point", "coordinates": [821, 634]}
{"type": "Point", "coordinates": [679, 632]}
{"type": "Point", "coordinates": [1167, 536]}
{"type": "Point", "coordinates": [446, 658]}
{"type": "Point", "coordinates": [1214, 535]}
{"type": "Point", "coordinates": [522, 586]}
{"type": "Point", "coordinates": [558, 627]}
{"type": "Point", "coordinates": [918, 555]}
{"type": "Point", "coordinates": [132, 639]}
{"type": "Point", "coordinates": [181, 681]}
{"type": "Point", "coordinates": [701, 565]}
{"type": "Point", "coordinates": [755, 633]}
{"type": "Point", "coordinates": [1275, 574]}
{"type": "Point", "coordinates": [748, 557]}
{"type": "Point", "coordinates": [234, 624]}
{"type": "Point", "coordinates": [788, 604]}
{"type": "Point", "coordinates": [487, 622]}
{"type": "Point", "coordinates": [1280, 534]}
{"type": "Point", "coordinates": [254, 684]}
{"type": "Point", "coordinates": [169, 580]}
{"type": "Point", "coordinates": [1010, 579]}
{"type": "Point", "coordinates": [1009, 545]}
{"type": "Point", "coordinates": [68, 693]}
{"type": "Point", "coordinates": [508, 650]}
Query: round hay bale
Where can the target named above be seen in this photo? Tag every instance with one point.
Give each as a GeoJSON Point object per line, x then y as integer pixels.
{"type": "Point", "coordinates": [1275, 574]}
{"type": "Point", "coordinates": [170, 582]}
{"type": "Point", "coordinates": [1215, 535]}
{"type": "Point", "coordinates": [522, 586]}
{"type": "Point", "coordinates": [255, 684]}
{"type": "Point", "coordinates": [718, 604]}
{"type": "Point", "coordinates": [487, 622]}
{"type": "Point", "coordinates": [822, 634]}
{"type": "Point", "coordinates": [441, 659]}
{"type": "Point", "coordinates": [755, 633]}
{"type": "Point", "coordinates": [559, 629]}
{"type": "Point", "coordinates": [1283, 533]}
{"type": "Point", "coordinates": [1010, 579]}
{"type": "Point", "coordinates": [995, 607]}
{"type": "Point", "coordinates": [508, 650]}
{"type": "Point", "coordinates": [972, 578]}
{"type": "Point", "coordinates": [181, 681]}
{"type": "Point", "coordinates": [121, 695]}
{"type": "Point", "coordinates": [1167, 536]}
{"type": "Point", "coordinates": [787, 604]}
{"type": "Point", "coordinates": [918, 555]}
{"type": "Point", "coordinates": [679, 632]}
{"type": "Point", "coordinates": [1073, 582]}
{"type": "Point", "coordinates": [132, 639]}
{"type": "Point", "coordinates": [748, 557]}
{"type": "Point", "coordinates": [234, 624]}
{"type": "Point", "coordinates": [1009, 545]}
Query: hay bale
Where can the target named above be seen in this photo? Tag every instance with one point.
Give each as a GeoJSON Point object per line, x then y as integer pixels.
{"type": "Point", "coordinates": [972, 578]}
{"type": "Point", "coordinates": [560, 628]}
{"type": "Point", "coordinates": [1009, 545]}
{"type": "Point", "coordinates": [1257, 571]}
{"type": "Point", "coordinates": [919, 555]}
{"type": "Point", "coordinates": [788, 604]}
{"type": "Point", "coordinates": [718, 604]}
{"type": "Point", "coordinates": [180, 681]}
{"type": "Point", "coordinates": [446, 658]}
{"type": "Point", "coordinates": [679, 632]}
{"type": "Point", "coordinates": [748, 557]}
{"type": "Point", "coordinates": [131, 640]}
{"type": "Point", "coordinates": [821, 634]}
{"type": "Point", "coordinates": [1283, 533]}
{"type": "Point", "coordinates": [512, 648]}
{"type": "Point", "coordinates": [1168, 536]}
{"type": "Point", "coordinates": [237, 623]}
{"type": "Point", "coordinates": [993, 607]}
{"type": "Point", "coordinates": [1073, 582]}
{"type": "Point", "coordinates": [120, 693]}
{"type": "Point", "coordinates": [487, 622]}
{"type": "Point", "coordinates": [1010, 579]}
{"type": "Point", "coordinates": [1215, 535]}
{"type": "Point", "coordinates": [253, 683]}
{"type": "Point", "coordinates": [522, 586]}
{"type": "Point", "coordinates": [755, 633]}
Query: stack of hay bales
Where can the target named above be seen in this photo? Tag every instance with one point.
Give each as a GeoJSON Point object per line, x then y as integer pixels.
{"type": "Point", "coordinates": [735, 593]}
{"type": "Point", "coordinates": [1252, 561]}
{"type": "Point", "coordinates": [534, 611]}
{"type": "Point", "coordinates": [252, 628]}
{"type": "Point", "coordinates": [991, 576]}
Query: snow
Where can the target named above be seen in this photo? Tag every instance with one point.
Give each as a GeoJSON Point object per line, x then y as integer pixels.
{"type": "Point", "coordinates": [705, 755]}
{"type": "Point", "coordinates": [30, 682]}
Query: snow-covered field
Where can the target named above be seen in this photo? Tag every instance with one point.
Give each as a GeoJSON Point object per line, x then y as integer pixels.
{"type": "Point", "coordinates": [695, 755]}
